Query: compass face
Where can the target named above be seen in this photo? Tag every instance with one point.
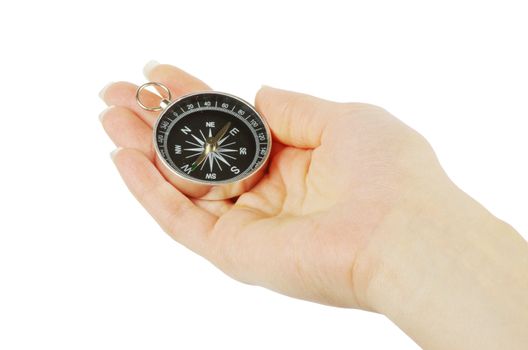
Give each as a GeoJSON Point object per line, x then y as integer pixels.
{"type": "Point", "coordinates": [212, 138]}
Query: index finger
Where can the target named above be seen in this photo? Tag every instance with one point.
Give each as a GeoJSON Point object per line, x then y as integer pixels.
{"type": "Point", "coordinates": [178, 81]}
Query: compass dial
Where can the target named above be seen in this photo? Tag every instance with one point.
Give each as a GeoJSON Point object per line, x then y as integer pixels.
{"type": "Point", "coordinates": [212, 138]}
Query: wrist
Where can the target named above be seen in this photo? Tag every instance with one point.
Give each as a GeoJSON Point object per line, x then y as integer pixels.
{"type": "Point", "coordinates": [450, 271]}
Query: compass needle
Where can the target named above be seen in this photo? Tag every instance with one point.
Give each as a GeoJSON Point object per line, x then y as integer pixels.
{"type": "Point", "coordinates": [221, 133]}
{"type": "Point", "coordinates": [198, 161]}
{"type": "Point", "coordinates": [227, 144]}
{"type": "Point", "coordinates": [222, 140]}
{"type": "Point", "coordinates": [203, 163]}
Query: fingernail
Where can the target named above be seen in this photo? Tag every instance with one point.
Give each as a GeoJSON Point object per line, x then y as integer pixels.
{"type": "Point", "coordinates": [149, 67]}
{"type": "Point", "coordinates": [115, 152]}
{"type": "Point", "coordinates": [267, 87]}
{"type": "Point", "coordinates": [103, 90]}
{"type": "Point", "coordinates": [103, 113]}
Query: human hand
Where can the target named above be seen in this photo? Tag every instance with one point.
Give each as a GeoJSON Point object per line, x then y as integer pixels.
{"type": "Point", "coordinates": [335, 171]}
{"type": "Point", "coordinates": [353, 201]}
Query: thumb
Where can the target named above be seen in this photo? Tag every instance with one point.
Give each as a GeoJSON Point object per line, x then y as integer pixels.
{"type": "Point", "coordinates": [295, 119]}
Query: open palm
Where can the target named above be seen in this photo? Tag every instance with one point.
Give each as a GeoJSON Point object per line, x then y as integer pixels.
{"type": "Point", "coordinates": [336, 172]}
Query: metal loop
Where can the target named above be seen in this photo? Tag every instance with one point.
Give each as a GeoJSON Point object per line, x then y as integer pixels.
{"type": "Point", "coordinates": [163, 100]}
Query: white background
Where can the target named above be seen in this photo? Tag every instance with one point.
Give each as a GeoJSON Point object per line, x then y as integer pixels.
{"type": "Point", "coordinates": [82, 266]}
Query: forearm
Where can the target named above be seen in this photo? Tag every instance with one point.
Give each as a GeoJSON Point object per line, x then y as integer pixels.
{"type": "Point", "coordinates": [461, 284]}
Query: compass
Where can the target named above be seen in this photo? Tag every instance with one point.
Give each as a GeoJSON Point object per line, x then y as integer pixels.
{"type": "Point", "coordinates": [210, 137]}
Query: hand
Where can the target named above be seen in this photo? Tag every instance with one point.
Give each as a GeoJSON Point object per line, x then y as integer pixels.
{"type": "Point", "coordinates": [354, 210]}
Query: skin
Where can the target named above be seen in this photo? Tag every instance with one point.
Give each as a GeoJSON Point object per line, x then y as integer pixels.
{"type": "Point", "coordinates": [354, 210]}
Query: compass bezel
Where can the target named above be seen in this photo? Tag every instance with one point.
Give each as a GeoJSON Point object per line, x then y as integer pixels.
{"type": "Point", "coordinates": [247, 173]}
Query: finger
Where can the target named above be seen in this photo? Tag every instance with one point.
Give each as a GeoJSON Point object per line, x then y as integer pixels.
{"type": "Point", "coordinates": [295, 119]}
{"type": "Point", "coordinates": [175, 213]}
{"type": "Point", "coordinates": [283, 190]}
{"type": "Point", "coordinates": [215, 207]}
{"type": "Point", "coordinates": [124, 94]}
{"type": "Point", "coordinates": [178, 81]}
{"type": "Point", "coordinates": [127, 130]}
{"type": "Point", "coordinates": [276, 149]}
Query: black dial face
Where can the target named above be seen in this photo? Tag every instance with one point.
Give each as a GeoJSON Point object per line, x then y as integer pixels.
{"type": "Point", "coordinates": [212, 138]}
